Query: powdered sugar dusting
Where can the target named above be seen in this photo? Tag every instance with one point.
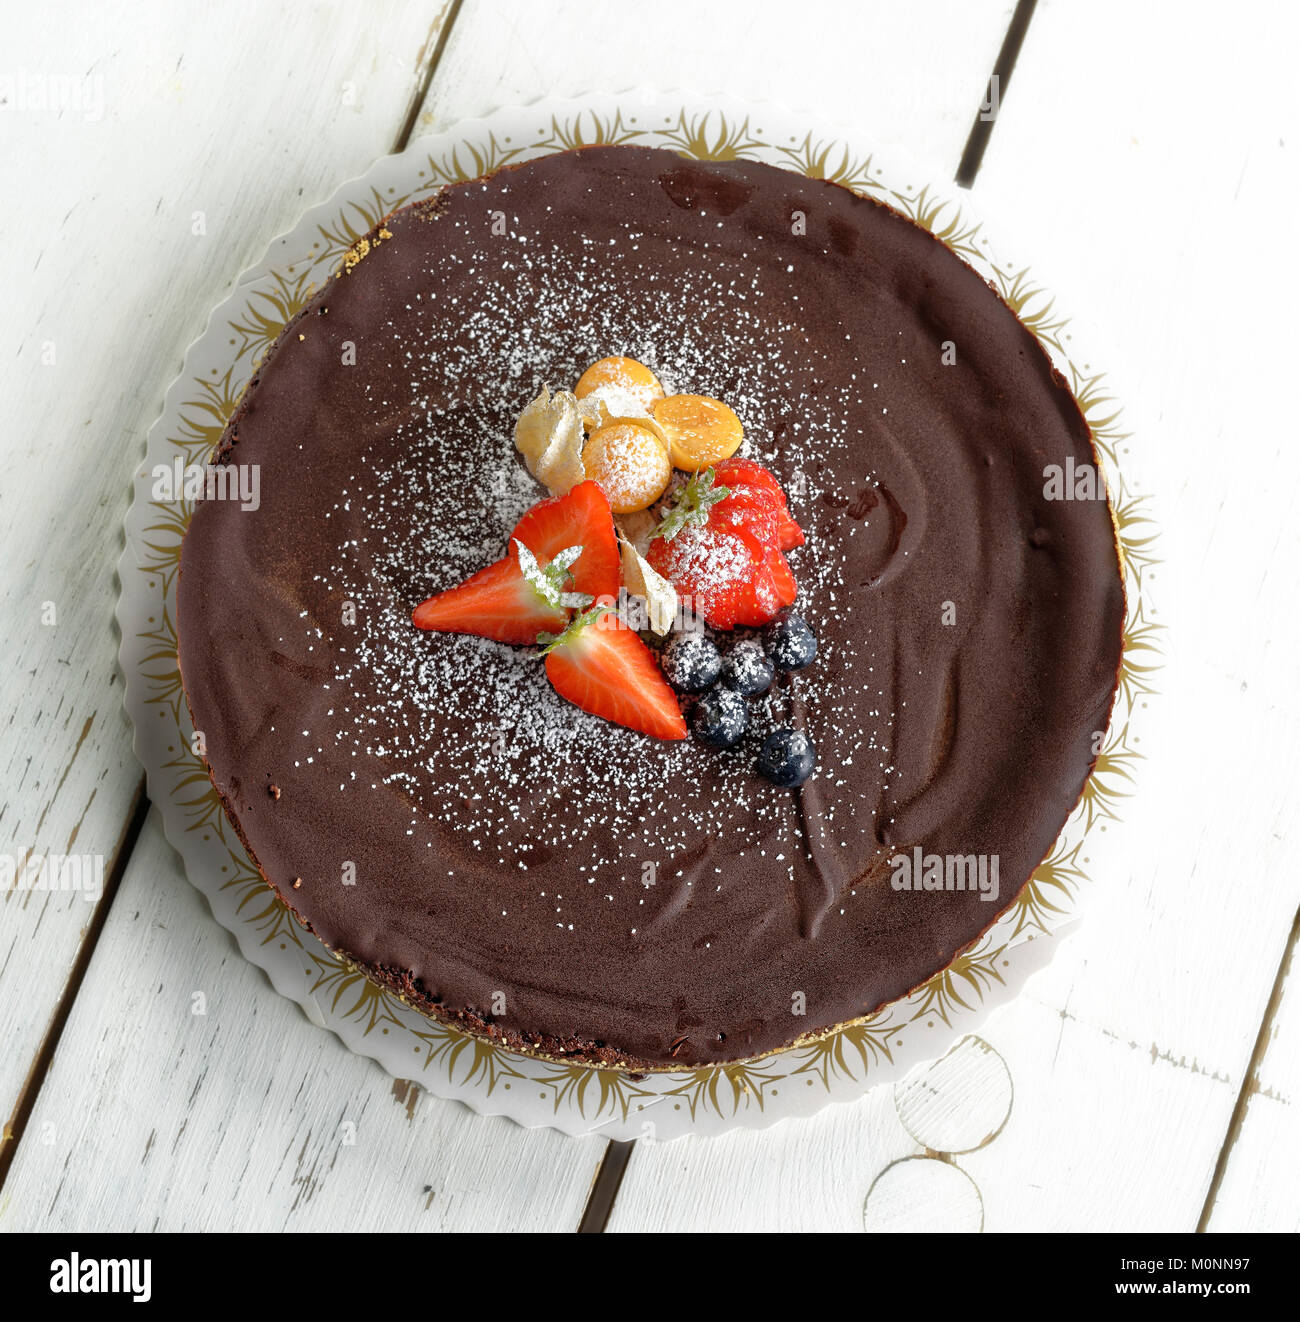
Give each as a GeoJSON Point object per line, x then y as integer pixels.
{"type": "Point", "coordinates": [470, 731]}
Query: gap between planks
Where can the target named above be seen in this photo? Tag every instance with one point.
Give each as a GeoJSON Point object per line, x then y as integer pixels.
{"type": "Point", "coordinates": [28, 1093]}
{"type": "Point", "coordinates": [999, 80]}
{"type": "Point", "coordinates": [442, 25]}
{"type": "Point", "coordinates": [1250, 1080]}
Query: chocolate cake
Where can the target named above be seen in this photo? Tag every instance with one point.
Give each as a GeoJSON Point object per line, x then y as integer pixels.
{"type": "Point", "coordinates": [438, 815]}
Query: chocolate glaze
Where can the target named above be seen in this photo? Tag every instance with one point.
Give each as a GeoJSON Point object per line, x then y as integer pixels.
{"type": "Point", "coordinates": [639, 902]}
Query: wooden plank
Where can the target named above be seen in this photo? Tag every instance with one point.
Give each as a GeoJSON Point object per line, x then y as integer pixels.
{"type": "Point", "coordinates": [187, 1094]}
{"type": "Point", "coordinates": [1127, 1055]}
{"type": "Point", "coordinates": [157, 153]}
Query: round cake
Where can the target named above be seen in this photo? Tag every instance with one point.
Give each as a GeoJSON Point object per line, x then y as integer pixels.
{"type": "Point", "coordinates": [435, 811]}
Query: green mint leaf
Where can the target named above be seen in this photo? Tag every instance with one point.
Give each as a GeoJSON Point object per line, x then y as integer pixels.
{"type": "Point", "coordinates": [565, 559]}
{"type": "Point", "coordinates": [692, 506]}
{"type": "Point", "coordinates": [548, 642]}
{"type": "Point", "coordinates": [558, 571]}
{"type": "Point", "coordinates": [534, 574]}
{"type": "Point", "coordinates": [550, 583]}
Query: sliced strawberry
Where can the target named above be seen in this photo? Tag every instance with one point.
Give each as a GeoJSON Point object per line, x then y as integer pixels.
{"type": "Point", "coordinates": [582, 518]}
{"type": "Point", "coordinates": [782, 579]}
{"type": "Point", "coordinates": [497, 602]}
{"type": "Point", "coordinates": [756, 513]}
{"type": "Point", "coordinates": [726, 571]}
{"type": "Point", "coordinates": [765, 589]}
{"type": "Point", "coordinates": [789, 534]}
{"type": "Point", "coordinates": [601, 666]}
{"type": "Point", "coordinates": [745, 473]}
{"type": "Point", "coordinates": [721, 575]}
{"type": "Point", "coordinates": [753, 509]}
{"type": "Point", "coordinates": [772, 582]}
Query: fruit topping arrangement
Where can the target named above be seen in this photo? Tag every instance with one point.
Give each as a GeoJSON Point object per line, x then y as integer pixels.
{"type": "Point", "coordinates": [655, 529]}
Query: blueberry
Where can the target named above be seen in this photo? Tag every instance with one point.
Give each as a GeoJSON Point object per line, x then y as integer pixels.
{"type": "Point", "coordinates": [790, 642]}
{"type": "Point", "coordinates": [720, 718]}
{"type": "Point", "coordinates": [747, 670]}
{"type": "Point", "coordinates": [691, 662]}
{"type": "Point", "coordinates": [787, 758]}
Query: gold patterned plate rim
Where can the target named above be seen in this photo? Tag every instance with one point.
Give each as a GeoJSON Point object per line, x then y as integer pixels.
{"type": "Point", "coordinates": [579, 1099]}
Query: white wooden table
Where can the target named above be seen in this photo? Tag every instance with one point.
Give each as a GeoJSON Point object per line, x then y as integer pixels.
{"type": "Point", "coordinates": [1149, 1079]}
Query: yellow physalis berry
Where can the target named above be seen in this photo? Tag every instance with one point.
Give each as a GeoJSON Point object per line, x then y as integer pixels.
{"type": "Point", "coordinates": [630, 463]}
{"type": "Point", "coordinates": [701, 431]}
{"type": "Point", "coordinates": [624, 374]}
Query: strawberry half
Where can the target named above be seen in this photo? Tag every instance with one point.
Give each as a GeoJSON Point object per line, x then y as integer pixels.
{"type": "Point", "coordinates": [581, 518]}
{"type": "Point", "coordinates": [497, 602]}
{"type": "Point", "coordinates": [600, 665]}
{"type": "Point", "coordinates": [745, 473]}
